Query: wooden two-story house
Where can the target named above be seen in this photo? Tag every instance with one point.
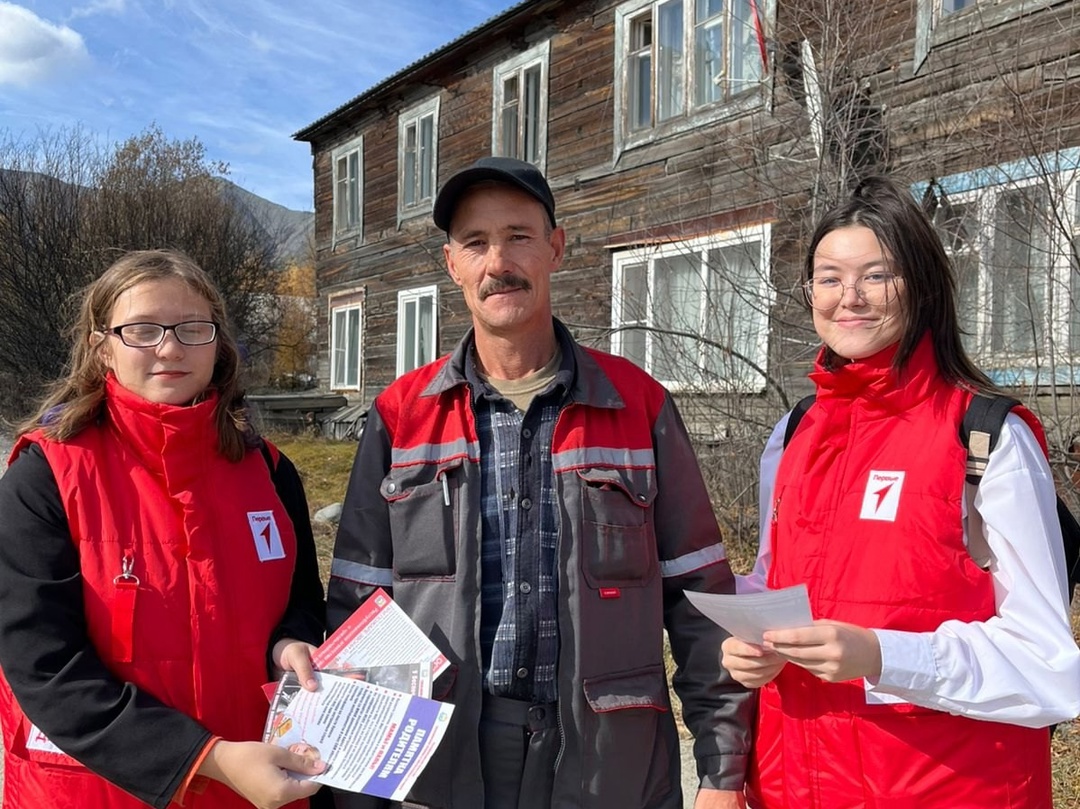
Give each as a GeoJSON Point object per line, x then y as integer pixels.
{"type": "Point", "coordinates": [690, 145]}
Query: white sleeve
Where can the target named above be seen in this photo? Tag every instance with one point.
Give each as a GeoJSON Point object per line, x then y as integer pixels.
{"type": "Point", "coordinates": [1022, 666]}
{"type": "Point", "coordinates": [754, 582]}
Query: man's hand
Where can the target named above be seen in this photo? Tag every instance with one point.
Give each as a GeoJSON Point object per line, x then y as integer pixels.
{"type": "Point", "coordinates": [719, 799]}
{"type": "Point", "coordinates": [262, 773]}
{"type": "Point", "coordinates": [750, 665]}
{"type": "Point", "coordinates": [830, 650]}
{"type": "Point", "coordinates": [295, 655]}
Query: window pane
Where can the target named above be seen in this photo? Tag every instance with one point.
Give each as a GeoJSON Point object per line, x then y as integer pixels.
{"type": "Point", "coordinates": [409, 169]}
{"type": "Point", "coordinates": [949, 6]}
{"type": "Point", "coordinates": [958, 226]}
{"type": "Point", "coordinates": [427, 155]}
{"type": "Point", "coordinates": [745, 68]}
{"type": "Point", "coordinates": [734, 318]}
{"type": "Point", "coordinates": [639, 73]}
{"type": "Point", "coordinates": [510, 118]}
{"type": "Point", "coordinates": [408, 329]}
{"type": "Point", "coordinates": [352, 368]}
{"type": "Point", "coordinates": [677, 299]}
{"type": "Point", "coordinates": [354, 189]}
{"type": "Point", "coordinates": [670, 63]}
{"type": "Point", "coordinates": [1074, 298]}
{"type": "Point", "coordinates": [706, 9]}
{"type": "Point", "coordinates": [425, 339]}
{"type": "Point", "coordinates": [531, 124]}
{"type": "Point", "coordinates": [339, 348]}
{"type": "Point", "coordinates": [1018, 271]}
{"type": "Point", "coordinates": [341, 193]}
{"type": "Point", "coordinates": [632, 308]}
{"type": "Point", "coordinates": [708, 55]}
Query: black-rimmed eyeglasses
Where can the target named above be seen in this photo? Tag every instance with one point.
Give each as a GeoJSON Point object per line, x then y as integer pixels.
{"type": "Point", "coordinates": [148, 335]}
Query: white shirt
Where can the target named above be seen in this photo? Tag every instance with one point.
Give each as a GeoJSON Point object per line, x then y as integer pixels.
{"type": "Point", "coordinates": [1022, 666]}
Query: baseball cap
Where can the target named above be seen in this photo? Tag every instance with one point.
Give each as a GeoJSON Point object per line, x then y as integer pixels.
{"type": "Point", "coordinates": [508, 170]}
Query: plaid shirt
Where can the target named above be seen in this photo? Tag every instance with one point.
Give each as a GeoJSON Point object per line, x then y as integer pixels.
{"type": "Point", "coordinates": [519, 637]}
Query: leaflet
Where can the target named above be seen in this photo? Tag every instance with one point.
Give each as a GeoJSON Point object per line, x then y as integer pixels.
{"type": "Point", "coordinates": [372, 720]}
{"type": "Point", "coordinates": [380, 635]}
{"type": "Point", "coordinates": [373, 739]}
{"type": "Point", "coordinates": [748, 615]}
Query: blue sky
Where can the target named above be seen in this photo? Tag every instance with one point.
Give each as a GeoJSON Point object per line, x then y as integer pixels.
{"type": "Point", "coordinates": [239, 75]}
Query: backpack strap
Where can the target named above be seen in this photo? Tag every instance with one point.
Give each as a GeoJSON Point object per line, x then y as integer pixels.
{"type": "Point", "coordinates": [980, 430]}
{"type": "Point", "coordinates": [270, 454]}
{"type": "Point", "coordinates": [979, 433]}
{"type": "Point", "coordinates": [797, 412]}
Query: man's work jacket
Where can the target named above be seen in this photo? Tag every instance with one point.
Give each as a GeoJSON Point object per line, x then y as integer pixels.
{"type": "Point", "coordinates": [636, 528]}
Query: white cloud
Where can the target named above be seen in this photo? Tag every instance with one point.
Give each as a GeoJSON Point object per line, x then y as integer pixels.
{"type": "Point", "coordinates": [33, 49]}
{"type": "Point", "coordinates": [99, 7]}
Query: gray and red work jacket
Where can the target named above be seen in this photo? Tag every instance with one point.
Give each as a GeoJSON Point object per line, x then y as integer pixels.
{"type": "Point", "coordinates": [636, 528]}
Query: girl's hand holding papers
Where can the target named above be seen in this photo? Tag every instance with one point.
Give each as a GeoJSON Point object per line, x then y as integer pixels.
{"type": "Point", "coordinates": [294, 655]}
{"type": "Point", "coordinates": [832, 651]}
{"type": "Point", "coordinates": [751, 665]}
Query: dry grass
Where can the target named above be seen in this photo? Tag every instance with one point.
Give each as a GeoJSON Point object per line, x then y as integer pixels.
{"type": "Point", "coordinates": [325, 465]}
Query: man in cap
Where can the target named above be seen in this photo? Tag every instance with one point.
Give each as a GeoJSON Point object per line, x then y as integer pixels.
{"type": "Point", "coordinates": [537, 509]}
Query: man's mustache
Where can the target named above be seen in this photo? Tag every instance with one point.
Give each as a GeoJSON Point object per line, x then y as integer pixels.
{"type": "Point", "coordinates": [503, 283]}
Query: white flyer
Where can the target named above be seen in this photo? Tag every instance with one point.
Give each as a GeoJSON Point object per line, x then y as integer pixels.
{"type": "Point", "coordinates": [373, 739]}
{"type": "Point", "coordinates": [748, 615]}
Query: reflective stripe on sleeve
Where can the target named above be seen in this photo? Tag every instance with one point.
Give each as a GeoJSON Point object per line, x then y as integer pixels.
{"type": "Point", "coordinates": [690, 562]}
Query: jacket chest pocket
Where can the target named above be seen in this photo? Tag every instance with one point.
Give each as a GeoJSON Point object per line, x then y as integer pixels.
{"type": "Point", "coordinates": [618, 537]}
{"type": "Point", "coordinates": [422, 503]}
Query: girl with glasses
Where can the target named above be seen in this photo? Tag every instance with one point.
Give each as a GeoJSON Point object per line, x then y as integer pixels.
{"type": "Point", "coordinates": [925, 680]}
{"type": "Point", "coordinates": [155, 557]}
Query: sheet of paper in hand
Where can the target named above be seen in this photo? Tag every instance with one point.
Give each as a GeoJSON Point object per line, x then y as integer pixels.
{"type": "Point", "coordinates": [748, 615]}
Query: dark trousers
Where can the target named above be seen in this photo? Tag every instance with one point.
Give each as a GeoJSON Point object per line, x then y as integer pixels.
{"type": "Point", "coordinates": [519, 742]}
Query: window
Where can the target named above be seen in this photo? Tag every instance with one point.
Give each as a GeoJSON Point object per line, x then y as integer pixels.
{"type": "Point", "coordinates": [677, 58]}
{"type": "Point", "coordinates": [519, 114]}
{"type": "Point", "coordinates": [667, 297]}
{"type": "Point", "coordinates": [417, 316]}
{"type": "Point", "coordinates": [1013, 233]}
{"type": "Point", "coordinates": [345, 328]}
{"type": "Point", "coordinates": [941, 21]}
{"type": "Point", "coordinates": [348, 163]}
{"type": "Point", "coordinates": [1074, 276]}
{"type": "Point", "coordinates": [417, 139]}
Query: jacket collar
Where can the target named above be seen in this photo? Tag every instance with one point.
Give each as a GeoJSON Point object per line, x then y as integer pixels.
{"type": "Point", "coordinates": [876, 382]}
{"type": "Point", "coordinates": [588, 384]}
{"type": "Point", "coordinates": [162, 436]}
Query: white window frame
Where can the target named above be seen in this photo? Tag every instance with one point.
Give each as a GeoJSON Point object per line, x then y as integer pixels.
{"type": "Point", "coordinates": [341, 306]}
{"type": "Point", "coordinates": [348, 192]}
{"type": "Point", "coordinates": [936, 24]}
{"type": "Point", "coordinates": [414, 296]}
{"type": "Point", "coordinates": [536, 58]}
{"type": "Point", "coordinates": [689, 112]}
{"type": "Point", "coordinates": [753, 297]}
{"type": "Point", "coordinates": [424, 194]}
{"type": "Point", "coordinates": [1057, 356]}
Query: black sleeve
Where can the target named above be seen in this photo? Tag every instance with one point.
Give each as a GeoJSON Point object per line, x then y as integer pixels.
{"type": "Point", "coordinates": [305, 616]}
{"type": "Point", "coordinates": [123, 734]}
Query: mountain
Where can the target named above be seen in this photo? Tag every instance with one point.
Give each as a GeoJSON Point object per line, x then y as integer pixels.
{"type": "Point", "coordinates": [292, 230]}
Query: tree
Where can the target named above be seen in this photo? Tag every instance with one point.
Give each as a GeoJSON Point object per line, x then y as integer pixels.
{"type": "Point", "coordinates": [69, 208]}
{"type": "Point", "coordinates": [296, 347]}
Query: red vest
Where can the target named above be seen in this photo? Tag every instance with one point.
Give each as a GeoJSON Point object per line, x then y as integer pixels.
{"type": "Point", "coordinates": [867, 512]}
{"type": "Point", "coordinates": [213, 551]}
